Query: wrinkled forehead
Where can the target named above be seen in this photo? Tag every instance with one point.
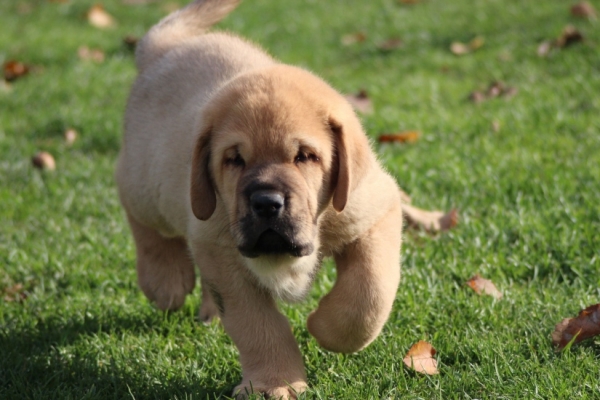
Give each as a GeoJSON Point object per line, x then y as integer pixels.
{"type": "Point", "coordinates": [272, 128]}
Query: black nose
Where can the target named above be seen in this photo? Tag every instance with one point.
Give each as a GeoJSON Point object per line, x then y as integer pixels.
{"type": "Point", "coordinates": [267, 203]}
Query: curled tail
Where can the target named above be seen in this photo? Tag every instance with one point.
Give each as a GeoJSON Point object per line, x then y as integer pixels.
{"type": "Point", "coordinates": [193, 20]}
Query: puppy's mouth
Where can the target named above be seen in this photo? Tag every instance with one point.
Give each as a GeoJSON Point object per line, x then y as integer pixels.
{"type": "Point", "coordinates": [272, 242]}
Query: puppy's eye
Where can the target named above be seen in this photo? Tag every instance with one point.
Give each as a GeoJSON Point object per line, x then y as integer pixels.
{"type": "Point", "coordinates": [304, 156]}
{"type": "Point", "coordinates": [236, 161]}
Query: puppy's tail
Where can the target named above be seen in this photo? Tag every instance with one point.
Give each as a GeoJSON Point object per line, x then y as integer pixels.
{"type": "Point", "coordinates": [193, 20]}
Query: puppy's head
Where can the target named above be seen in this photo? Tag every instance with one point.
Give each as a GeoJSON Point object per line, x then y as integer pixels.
{"type": "Point", "coordinates": [276, 149]}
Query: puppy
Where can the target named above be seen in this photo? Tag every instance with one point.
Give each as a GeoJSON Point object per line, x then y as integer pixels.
{"type": "Point", "coordinates": [254, 171]}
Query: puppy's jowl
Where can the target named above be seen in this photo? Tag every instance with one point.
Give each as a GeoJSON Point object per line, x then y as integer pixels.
{"type": "Point", "coordinates": [254, 171]}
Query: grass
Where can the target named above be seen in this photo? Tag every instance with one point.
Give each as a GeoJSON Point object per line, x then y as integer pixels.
{"type": "Point", "coordinates": [528, 192]}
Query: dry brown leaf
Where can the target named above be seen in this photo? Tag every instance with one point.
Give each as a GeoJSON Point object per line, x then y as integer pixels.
{"type": "Point", "coordinates": [352, 38]}
{"type": "Point", "coordinates": [476, 43]}
{"type": "Point", "coordinates": [361, 101]}
{"type": "Point", "coordinates": [14, 70]}
{"type": "Point", "coordinates": [400, 137]}
{"type": "Point", "coordinates": [44, 160]}
{"type": "Point", "coordinates": [99, 18]}
{"type": "Point", "coordinates": [584, 326]}
{"type": "Point", "coordinates": [70, 136]}
{"type": "Point", "coordinates": [495, 89]}
{"type": "Point", "coordinates": [459, 49]}
{"type": "Point", "coordinates": [87, 54]}
{"type": "Point", "coordinates": [484, 286]}
{"type": "Point", "coordinates": [569, 36]}
{"type": "Point", "coordinates": [420, 358]}
{"type": "Point", "coordinates": [585, 9]}
{"type": "Point", "coordinates": [544, 48]}
{"type": "Point", "coordinates": [14, 293]}
{"type": "Point", "coordinates": [390, 44]}
{"type": "Point", "coordinates": [130, 41]}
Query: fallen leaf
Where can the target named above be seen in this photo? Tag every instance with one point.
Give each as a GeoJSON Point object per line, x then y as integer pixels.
{"type": "Point", "coordinates": [44, 160]}
{"type": "Point", "coordinates": [14, 293]}
{"type": "Point", "coordinates": [99, 18]}
{"type": "Point", "coordinates": [494, 90]}
{"type": "Point", "coordinates": [569, 36]}
{"type": "Point", "coordinates": [130, 41]}
{"type": "Point", "coordinates": [544, 48]}
{"type": "Point", "coordinates": [476, 43]}
{"type": "Point", "coordinates": [70, 136]}
{"type": "Point", "coordinates": [361, 101]}
{"type": "Point", "coordinates": [400, 137]}
{"type": "Point", "coordinates": [429, 221]}
{"type": "Point", "coordinates": [459, 49]}
{"type": "Point", "coordinates": [477, 97]}
{"type": "Point", "coordinates": [15, 69]}
{"type": "Point", "coordinates": [390, 44]}
{"type": "Point", "coordinates": [420, 358]}
{"type": "Point", "coordinates": [584, 326]}
{"type": "Point", "coordinates": [352, 38]}
{"type": "Point", "coordinates": [583, 10]}
{"type": "Point", "coordinates": [484, 286]}
{"type": "Point", "coordinates": [87, 54]}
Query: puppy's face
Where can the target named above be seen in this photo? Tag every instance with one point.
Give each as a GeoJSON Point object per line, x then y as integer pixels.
{"type": "Point", "coordinates": [271, 157]}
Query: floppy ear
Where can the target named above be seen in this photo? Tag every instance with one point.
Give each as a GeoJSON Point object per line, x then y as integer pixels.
{"type": "Point", "coordinates": [353, 149]}
{"type": "Point", "coordinates": [204, 198]}
{"type": "Point", "coordinates": [342, 187]}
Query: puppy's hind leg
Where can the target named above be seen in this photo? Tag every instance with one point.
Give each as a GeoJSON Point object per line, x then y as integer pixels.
{"type": "Point", "coordinates": [164, 266]}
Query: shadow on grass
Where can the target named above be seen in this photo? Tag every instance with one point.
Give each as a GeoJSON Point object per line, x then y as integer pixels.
{"type": "Point", "coordinates": [32, 365]}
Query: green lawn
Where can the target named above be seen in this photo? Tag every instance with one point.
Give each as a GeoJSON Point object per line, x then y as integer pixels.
{"type": "Point", "coordinates": [524, 172]}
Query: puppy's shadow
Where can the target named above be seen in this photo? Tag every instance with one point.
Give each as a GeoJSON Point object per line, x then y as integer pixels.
{"type": "Point", "coordinates": [35, 366]}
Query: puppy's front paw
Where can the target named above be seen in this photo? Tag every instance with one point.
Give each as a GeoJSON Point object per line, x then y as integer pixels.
{"type": "Point", "coordinates": [291, 391]}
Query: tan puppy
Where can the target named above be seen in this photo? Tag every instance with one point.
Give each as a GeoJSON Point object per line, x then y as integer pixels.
{"type": "Point", "coordinates": [254, 171]}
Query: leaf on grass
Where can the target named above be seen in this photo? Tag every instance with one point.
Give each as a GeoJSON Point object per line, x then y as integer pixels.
{"type": "Point", "coordinates": [494, 90]}
{"type": "Point", "coordinates": [14, 293]}
{"type": "Point", "coordinates": [99, 18]}
{"type": "Point", "coordinates": [87, 54]}
{"type": "Point", "coordinates": [484, 286]}
{"type": "Point", "coordinates": [420, 358]}
{"type": "Point", "coordinates": [460, 49]}
{"type": "Point", "coordinates": [570, 35]}
{"type": "Point", "coordinates": [44, 160]}
{"type": "Point", "coordinates": [429, 221]}
{"type": "Point", "coordinates": [70, 136]}
{"type": "Point", "coordinates": [361, 101]}
{"type": "Point", "coordinates": [14, 70]}
{"type": "Point", "coordinates": [583, 9]}
{"type": "Point", "coordinates": [130, 42]}
{"type": "Point", "coordinates": [352, 38]}
{"type": "Point", "coordinates": [390, 44]}
{"type": "Point", "coordinates": [584, 326]}
{"type": "Point", "coordinates": [400, 137]}
{"type": "Point", "coordinates": [544, 48]}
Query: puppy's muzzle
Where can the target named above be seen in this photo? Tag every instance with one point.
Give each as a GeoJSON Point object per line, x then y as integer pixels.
{"type": "Point", "coordinates": [268, 229]}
